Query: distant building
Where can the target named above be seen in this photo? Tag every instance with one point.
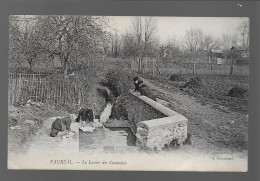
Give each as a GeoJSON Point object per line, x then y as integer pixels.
{"type": "Point", "coordinates": [220, 61]}
{"type": "Point", "coordinates": [242, 51]}
{"type": "Point", "coordinates": [216, 57]}
{"type": "Point", "coordinates": [216, 53]}
{"type": "Point", "coordinates": [242, 54]}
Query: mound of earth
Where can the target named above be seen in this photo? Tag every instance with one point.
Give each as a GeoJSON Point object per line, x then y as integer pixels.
{"type": "Point", "coordinates": [176, 77]}
{"type": "Point", "coordinates": [238, 91]}
{"type": "Point", "coordinates": [193, 83]}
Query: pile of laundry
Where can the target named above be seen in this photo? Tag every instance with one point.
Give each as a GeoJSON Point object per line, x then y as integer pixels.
{"type": "Point", "coordinates": [90, 127]}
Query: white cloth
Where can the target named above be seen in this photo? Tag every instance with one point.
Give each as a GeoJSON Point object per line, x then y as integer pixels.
{"type": "Point", "coordinates": [106, 113]}
{"type": "Point", "coordinates": [87, 129]}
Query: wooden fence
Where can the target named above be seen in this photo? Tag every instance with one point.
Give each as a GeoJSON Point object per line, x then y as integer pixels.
{"type": "Point", "coordinates": [46, 89]}
{"type": "Point", "coordinates": [24, 87]}
{"type": "Point", "coordinates": [189, 68]}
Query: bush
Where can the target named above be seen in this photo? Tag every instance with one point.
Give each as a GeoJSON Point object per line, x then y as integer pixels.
{"type": "Point", "coordinates": [119, 110]}
{"type": "Point", "coordinates": [193, 83]}
{"type": "Point", "coordinates": [176, 77]}
{"type": "Point", "coordinates": [238, 91]}
{"type": "Point", "coordinates": [119, 82]}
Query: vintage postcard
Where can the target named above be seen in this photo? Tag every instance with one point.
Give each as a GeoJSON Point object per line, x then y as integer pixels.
{"type": "Point", "coordinates": [128, 93]}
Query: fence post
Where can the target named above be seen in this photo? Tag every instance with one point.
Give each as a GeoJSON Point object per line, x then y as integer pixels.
{"type": "Point", "coordinates": [153, 66]}
{"type": "Point", "coordinates": [18, 89]}
{"type": "Point", "coordinates": [60, 93]}
{"type": "Point", "coordinates": [33, 83]}
{"type": "Point", "coordinates": [45, 97]}
{"type": "Point", "coordinates": [79, 98]}
{"type": "Point", "coordinates": [37, 86]}
{"type": "Point", "coordinates": [194, 67]}
{"type": "Point", "coordinates": [12, 90]}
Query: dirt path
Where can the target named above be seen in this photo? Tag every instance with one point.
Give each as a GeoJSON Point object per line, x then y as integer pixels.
{"type": "Point", "coordinates": [213, 127]}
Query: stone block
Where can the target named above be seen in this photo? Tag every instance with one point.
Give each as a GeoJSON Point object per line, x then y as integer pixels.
{"type": "Point", "coordinates": [157, 133]}
{"type": "Point", "coordinates": [155, 125]}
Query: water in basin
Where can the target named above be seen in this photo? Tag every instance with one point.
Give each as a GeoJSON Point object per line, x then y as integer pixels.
{"type": "Point", "coordinates": [104, 138]}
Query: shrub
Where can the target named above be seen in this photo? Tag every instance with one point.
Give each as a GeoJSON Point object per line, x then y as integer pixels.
{"type": "Point", "coordinates": [193, 83]}
{"type": "Point", "coordinates": [119, 110]}
{"type": "Point", "coordinates": [176, 77]}
{"type": "Point", "coordinates": [119, 82]}
{"type": "Point", "coordinates": [238, 91]}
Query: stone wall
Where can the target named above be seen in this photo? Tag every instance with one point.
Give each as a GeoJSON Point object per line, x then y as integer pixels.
{"type": "Point", "coordinates": [155, 125]}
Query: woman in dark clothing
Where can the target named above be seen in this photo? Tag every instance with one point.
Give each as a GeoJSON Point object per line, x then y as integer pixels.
{"type": "Point", "coordinates": [60, 124]}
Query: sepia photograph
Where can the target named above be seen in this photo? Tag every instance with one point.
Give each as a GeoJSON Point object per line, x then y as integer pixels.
{"type": "Point", "coordinates": [128, 93]}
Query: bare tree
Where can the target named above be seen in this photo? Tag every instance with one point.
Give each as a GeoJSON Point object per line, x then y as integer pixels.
{"type": "Point", "coordinates": [137, 31]}
{"type": "Point", "coordinates": [228, 41]}
{"type": "Point", "coordinates": [243, 30]}
{"type": "Point", "coordinates": [194, 42]}
{"type": "Point", "coordinates": [105, 43]}
{"type": "Point", "coordinates": [170, 51]}
{"type": "Point", "coordinates": [193, 39]}
{"type": "Point", "coordinates": [128, 46]}
{"type": "Point", "coordinates": [115, 44]}
{"type": "Point", "coordinates": [210, 43]}
{"type": "Point", "coordinates": [143, 30]}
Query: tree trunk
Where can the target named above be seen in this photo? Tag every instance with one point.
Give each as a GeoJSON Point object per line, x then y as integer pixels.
{"type": "Point", "coordinates": [30, 62]}
{"type": "Point", "coordinates": [66, 64]}
{"type": "Point", "coordinates": [157, 67]}
{"type": "Point", "coordinates": [153, 67]}
{"type": "Point", "coordinates": [232, 68]}
{"type": "Point", "coordinates": [194, 67]}
{"type": "Point", "coordinates": [30, 67]}
{"type": "Point", "coordinates": [65, 69]}
{"type": "Point", "coordinates": [53, 64]}
{"type": "Point", "coordinates": [139, 65]}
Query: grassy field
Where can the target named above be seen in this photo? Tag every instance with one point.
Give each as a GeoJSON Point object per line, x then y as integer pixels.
{"type": "Point", "coordinates": [214, 89]}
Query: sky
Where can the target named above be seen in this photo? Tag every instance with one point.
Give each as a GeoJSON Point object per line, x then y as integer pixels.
{"type": "Point", "coordinates": [175, 27]}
